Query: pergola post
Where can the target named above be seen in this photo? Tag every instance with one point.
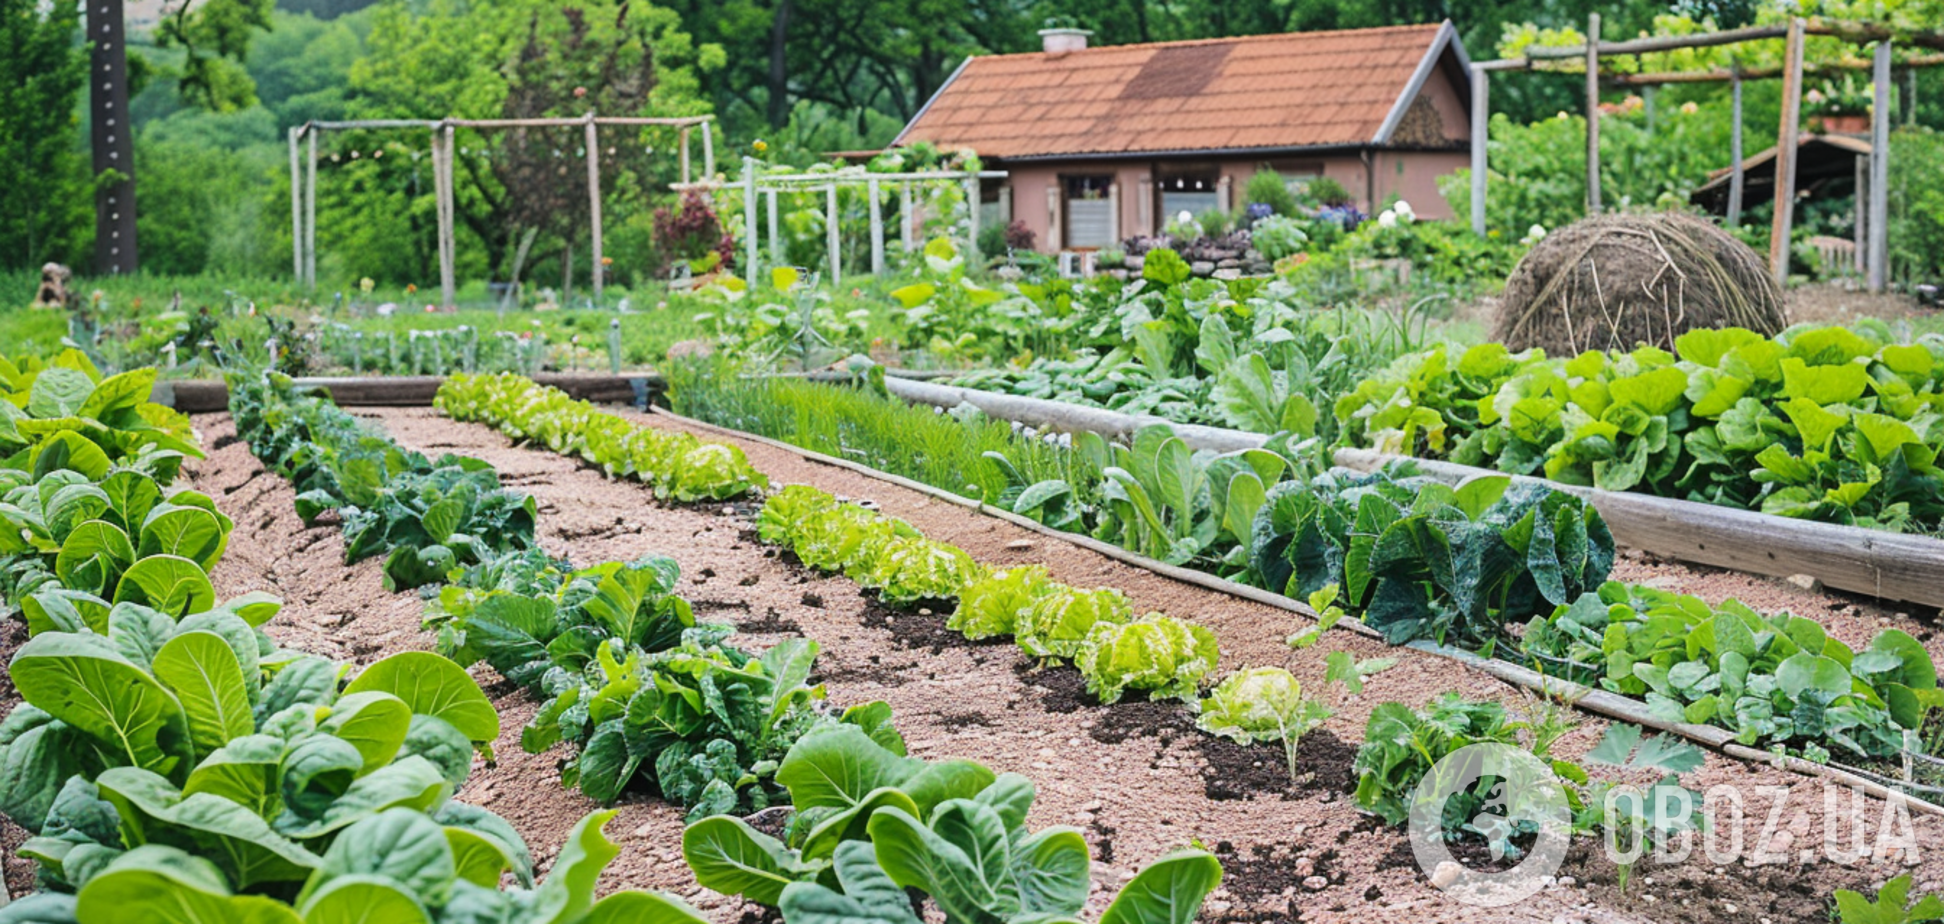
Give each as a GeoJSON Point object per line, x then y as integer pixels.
{"type": "Point", "coordinates": [1736, 177]}
{"type": "Point", "coordinates": [442, 166]}
{"type": "Point", "coordinates": [708, 151]}
{"type": "Point", "coordinates": [310, 213]}
{"type": "Point", "coordinates": [830, 232]}
{"type": "Point", "coordinates": [1785, 154]}
{"type": "Point", "coordinates": [685, 155]}
{"type": "Point", "coordinates": [593, 136]}
{"type": "Point", "coordinates": [296, 210]}
{"type": "Point", "coordinates": [973, 195]}
{"type": "Point", "coordinates": [1593, 114]}
{"type": "Point", "coordinates": [877, 229]}
{"type": "Point", "coordinates": [904, 216]}
{"type": "Point", "coordinates": [775, 230]}
{"type": "Point", "coordinates": [749, 218]}
{"type": "Point", "coordinates": [1480, 122]}
{"type": "Point", "coordinates": [1877, 258]}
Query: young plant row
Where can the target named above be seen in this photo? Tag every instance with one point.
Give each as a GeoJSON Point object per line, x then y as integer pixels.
{"type": "Point", "coordinates": [677, 466]}
{"type": "Point", "coordinates": [171, 762]}
{"type": "Point", "coordinates": [1837, 424]}
{"type": "Point", "coordinates": [428, 516]}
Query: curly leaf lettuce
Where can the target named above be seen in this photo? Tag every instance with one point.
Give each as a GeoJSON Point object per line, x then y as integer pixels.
{"type": "Point", "coordinates": [991, 606]}
{"type": "Point", "coordinates": [1057, 624]}
{"type": "Point", "coordinates": [1158, 653]}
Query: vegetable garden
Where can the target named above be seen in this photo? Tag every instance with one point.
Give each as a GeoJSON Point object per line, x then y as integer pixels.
{"type": "Point", "coordinates": [1091, 626]}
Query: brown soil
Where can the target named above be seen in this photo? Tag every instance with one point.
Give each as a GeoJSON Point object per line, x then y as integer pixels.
{"type": "Point", "coordinates": [1136, 776]}
{"type": "Point", "coordinates": [1837, 303]}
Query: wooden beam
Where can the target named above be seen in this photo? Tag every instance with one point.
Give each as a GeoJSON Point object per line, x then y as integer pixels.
{"type": "Point", "coordinates": [1480, 127]}
{"type": "Point", "coordinates": [1593, 114]}
{"type": "Point", "coordinates": [203, 396]}
{"type": "Point", "coordinates": [442, 140]}
{"type": "Point", "coordinates": [1653, 43]}
{"type": "Point", "coordinates": [1786, 155]}
{"type": "Point", "coordinates": [708, 152]}
{"type": "Point", "coordinates": [973, 197]}
{"type": "Point", "coordinates": [1737, 177]}
{"type": "Point", "coordinates": [685, 154]}
{"type": "Point", "coordinates": [594, 197]}
{"type": "Point", "coordinates": [904, 217]}
{"type": "Point", "coordinates": [1761, 73]}
{"type": "Point", "coordinates": [775, 231]}
{"type": "Point", "coordinates": [1877, 253]}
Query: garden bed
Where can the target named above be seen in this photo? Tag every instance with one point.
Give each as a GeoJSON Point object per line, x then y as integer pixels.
{"type": "Point", "coordinates": [1135, 776]}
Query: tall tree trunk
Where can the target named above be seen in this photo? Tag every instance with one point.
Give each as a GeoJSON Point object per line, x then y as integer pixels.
{"type": "Point", "coordinates": [779, 70]}
{"type": "Point", "coordinates": [1141, 19]}
{"type": "Point", "coordinates": [114, 143]}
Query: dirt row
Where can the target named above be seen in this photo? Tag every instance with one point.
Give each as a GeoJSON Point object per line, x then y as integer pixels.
{"type": "Point", "coordinates": [1135, 777]}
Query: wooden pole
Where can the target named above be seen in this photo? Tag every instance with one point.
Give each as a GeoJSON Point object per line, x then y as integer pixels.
{"type": "Point", "coordinates": [708, 151]}
{"type": "Point", "coordinates": [1877, 257]}
{"type": "Point", "coordinates": [442, 163]}
{"type": "Point", "coordinates": [1593, 114]}
{"type": "Point", "coordinates": [1737, 178]}
{"type": "Point", "coordinates": [1480, 127]}
{"type": "Point", "coordinates": [877, 228]}
{"type": "Point", "coordinates": [1860, 212]}
{"type": "Point", "coordinates": [685, 155]}
{"type": "Point", "coordinates": [310, 214]}
{"type": "Point", "coordinates": [830, 232]}
{"type": "Point", "coordinates": [973, 195]}
{"type": "Point", "coordinates": [904, 216]}
{"type": "Point", "coordinates": [593, 135]}
{"type": "Point", "coordinates": [1785, 154]}
{"type": "Point", "coordinates": [775, 230]}
{"type": "Point", "coordinates": [296, 209]}
{"type": "Point", "coordinates": [749, 218]}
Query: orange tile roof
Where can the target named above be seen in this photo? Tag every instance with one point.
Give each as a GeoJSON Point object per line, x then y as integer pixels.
{"type": "Point", "coordinates": [1266, 91]}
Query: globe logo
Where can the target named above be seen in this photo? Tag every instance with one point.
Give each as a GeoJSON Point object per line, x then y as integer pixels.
{"type": "Point", "coordinates": [1508, 797]}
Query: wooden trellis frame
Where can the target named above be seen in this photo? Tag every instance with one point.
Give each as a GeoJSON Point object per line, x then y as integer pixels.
{"type": "Point", "coordinates": [755, 183]}
{"type": "Point", "coordinates": [303, 182]}
{"type": "Point", "coordinates": [1792, 72]}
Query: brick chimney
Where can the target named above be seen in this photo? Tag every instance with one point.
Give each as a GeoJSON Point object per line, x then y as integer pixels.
{"type": "Point", "coordinates": [1059, 42]}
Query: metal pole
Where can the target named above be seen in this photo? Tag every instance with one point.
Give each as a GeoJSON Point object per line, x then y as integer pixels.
{"type": "Point", "coordinates": [594, 195]}
{"type": "Point", "coordinates": [296, 210]}
{"type": "Point", "coordinates": [113, 137]}
{"type": "Point", "coordinates": [310, 215]}
{"type": "Point", "coordinates": [1785, 155]}
{"type": "Point", "coordinates": [1877, 258]}
{"type": "Point", "coordinates": [877, 228]}
{"type": "Point", "coordinates": [749, 217]}
{"type": "Point", "coordinates": [830, 231]}
{"type": "Point", "coordinates": [1480, 127]}
{"type": "Point", "coordinates": [1736, 177]}
{"type": "Point", "coordinates": [1593, 114]}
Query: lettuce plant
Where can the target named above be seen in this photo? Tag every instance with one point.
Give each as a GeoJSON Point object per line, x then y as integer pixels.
{"type": "Point", "coordinates": [905, 571]}
{"type": "Point", "coordinates": [1057, 625]}
{"type": "Point", "coordinates": [784, 514]}
{"type": "Point", "coordinates": [678, 466]}
{"type": "Point", "coordinates": [1157, 653]}
{"type": "Point", "coordinates": [1261, 704]}
{"type": "Point", "coordinates": [990, 606]}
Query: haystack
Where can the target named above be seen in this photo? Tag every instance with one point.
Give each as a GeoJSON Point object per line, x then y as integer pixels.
{"type": "Point", "coordinates": [1614, 282]}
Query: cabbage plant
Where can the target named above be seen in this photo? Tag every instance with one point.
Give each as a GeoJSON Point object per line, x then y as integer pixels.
{"type": "Point", "coordinates": [1259, 705]}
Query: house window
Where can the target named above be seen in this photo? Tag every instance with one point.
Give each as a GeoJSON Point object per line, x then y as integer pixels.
{"type": "Point", "coordinates": [1187, 189]}
{"type": "Point", "coordinates": [1089, 211]}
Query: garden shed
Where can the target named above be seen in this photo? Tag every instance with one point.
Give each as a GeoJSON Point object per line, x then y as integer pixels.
{"type": "Point", "coordinates": [1106, 143]}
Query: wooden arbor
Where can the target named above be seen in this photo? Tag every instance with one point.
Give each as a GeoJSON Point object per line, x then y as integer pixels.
{"type": "Point", "coordinates": [1791, 72]}
{"type": "Point", "coordinates": [756, 183]}
{"type": "Point", "coordinates": [303, 179]}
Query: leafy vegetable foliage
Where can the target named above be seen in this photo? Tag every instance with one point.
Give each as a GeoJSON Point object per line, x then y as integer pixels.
{"type": "Point", "coordinates": [677, 465]}
{"type": "Point", "coordinates": [1421, 559]}
{"type": "Point", "coordinates": [429, 516]}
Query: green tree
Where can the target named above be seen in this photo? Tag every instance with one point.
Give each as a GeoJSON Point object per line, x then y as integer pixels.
{"type": "Point", "coordinates": [44, 190]}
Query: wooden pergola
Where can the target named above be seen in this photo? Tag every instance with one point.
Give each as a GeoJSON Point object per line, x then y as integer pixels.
{"type": "Point", "coordinates": [1791, 72]}
{"type": "Point", "coordinates": [303, 182]}
{"type": "Point", "coordinates": [756, 183]}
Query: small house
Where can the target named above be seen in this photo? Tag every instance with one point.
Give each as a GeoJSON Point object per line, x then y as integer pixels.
{"type": "Point", "coordinates": [1107, 143]}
